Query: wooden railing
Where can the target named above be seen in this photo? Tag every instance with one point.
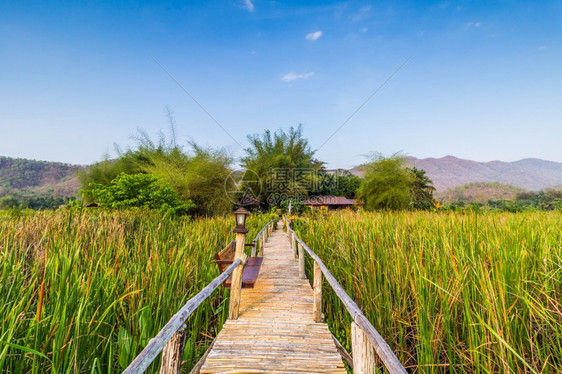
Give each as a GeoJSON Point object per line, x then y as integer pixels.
{"type": "Point", "coordinates": [364, 337]}
{"type": "Point", "coordinates": [259, 240]}
{"type": "Point", "coordinates": [171, 339]}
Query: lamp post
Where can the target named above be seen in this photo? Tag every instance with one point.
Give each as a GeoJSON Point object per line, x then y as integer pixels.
{"type": "Point", "coordinates": [236, 284]}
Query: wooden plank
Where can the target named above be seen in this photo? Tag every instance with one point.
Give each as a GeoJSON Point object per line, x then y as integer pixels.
{"type": "Point", "coordinates": [275, 331]}
{"type": "Point", "coordinates": [249, 273]}
{"type": "Point", "coordinates": [343, 352]}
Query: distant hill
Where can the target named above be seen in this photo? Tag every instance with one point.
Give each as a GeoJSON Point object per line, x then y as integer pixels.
{"type": "Point", "coordinates": [480, 192]}
{"type": "Point", "coordinates": [37, 178]}
{"type": "Point", "coordinates": [448, 172]}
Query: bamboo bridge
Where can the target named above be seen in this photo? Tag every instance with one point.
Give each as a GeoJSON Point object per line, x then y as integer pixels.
{"type": "Point", "coordinates": [277, 325]}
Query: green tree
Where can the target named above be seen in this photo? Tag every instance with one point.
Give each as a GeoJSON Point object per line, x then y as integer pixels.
{"type": "Point", "coordinates": [142, 191]}
{"type": "Point", "coordinates": [421, 190]}
{"type": "Point", "coordinates": [197, 175]}
{"type": "Point", "coordinates": [284, 164]}
{"type": "Point", "coordinates": [9, 202]}
{"type": "Point", "coordinates": [386, 183]}
{"type": "Point", "coordinates": [342, 183]}
{"type": "Point", "coordinates": [200, 176]}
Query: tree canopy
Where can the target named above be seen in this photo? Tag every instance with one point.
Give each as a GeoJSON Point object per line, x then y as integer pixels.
{"type": "Point", "coordinates": [197, 175]}
{"type": "Point", "coordinates": [284, 165]}
{"type": "Point", "coordinates": [389, 184]}
{"type": "Point", "coordinates": [386, 183]}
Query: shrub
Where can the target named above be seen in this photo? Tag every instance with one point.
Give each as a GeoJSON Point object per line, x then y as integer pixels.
{"type": "Point", "coordinates": [139, 190]}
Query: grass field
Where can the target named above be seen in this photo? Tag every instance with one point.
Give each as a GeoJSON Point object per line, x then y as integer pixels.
{"type": "Point", "coordinates": [84, 291]}
{"type": "Point", "coordinates": [463, 293]}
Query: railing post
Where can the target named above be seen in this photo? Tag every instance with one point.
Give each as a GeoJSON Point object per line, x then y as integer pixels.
{"type": "Point", "coordinates": [236, 284]}
{"type": "Point", "coordinates": [317, 283]}
{"type": "Point", "coordinates": [262, 243]}
{"type": "Point", "coordinates": [362, 351]}
{"type": "Point", "coordinates": [253, 253]}
{"type": "Point", "coordinates": [173, 353]}
{"type": "Point", "coordinates": [294, 245]}
{"type": "Point", "coordinates": [302, 273]}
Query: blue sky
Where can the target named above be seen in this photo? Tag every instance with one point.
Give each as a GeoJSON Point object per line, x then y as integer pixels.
{"type": "Point", "coordinates": [483, 82]}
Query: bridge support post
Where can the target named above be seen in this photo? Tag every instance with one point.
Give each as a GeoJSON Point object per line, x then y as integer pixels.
{"type": "Point", "coordinates": [302, 273]}
{"type": "Point", "coordinates": [317, 283]}
{"type": "Point", "coordinates": [254, 249]}
{"type": "Point", "coordinates": [362, 351]}
{"type": "Point", "coordinates": [236, 284]}
{"type": "Point", "coordinates": [173, 353]}
{"type": "Point", "coordinates": [262, 243]}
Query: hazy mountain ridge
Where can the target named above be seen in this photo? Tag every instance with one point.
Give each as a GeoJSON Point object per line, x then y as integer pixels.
{"type": "Point", "coordinates": [480, 192]}
{"type": "Point", "coordinates": [530, 173]}
{"type": "Point", "coordinates": [41, 178]}
{"type": "Point", "coordinates": [449, 171]}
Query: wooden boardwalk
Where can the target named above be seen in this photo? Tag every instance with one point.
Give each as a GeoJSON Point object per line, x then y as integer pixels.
{"type": "Point", "coordinates": [275, 332]}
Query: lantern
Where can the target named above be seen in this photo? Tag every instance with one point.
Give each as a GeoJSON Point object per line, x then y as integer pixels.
{"type": "Point", "coordinates": [240, 215]}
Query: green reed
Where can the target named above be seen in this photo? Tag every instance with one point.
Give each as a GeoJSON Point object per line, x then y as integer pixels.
{"type": "Point", "coordinates": [111, 281]}
{"type": "Point", "coordinates": [462, 293]}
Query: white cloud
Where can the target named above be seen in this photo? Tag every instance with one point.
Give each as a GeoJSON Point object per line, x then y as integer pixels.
{"type": "Point", "coordinates": [364, 29]}
{"type": "Point", "coordinates": [289, 77]}
{"type": "Point", "coordinates": [314, 35]}
{"type": "Point", "coordinates": [473, 24]}
{"type": "Point", "coordinates": [248, 4]}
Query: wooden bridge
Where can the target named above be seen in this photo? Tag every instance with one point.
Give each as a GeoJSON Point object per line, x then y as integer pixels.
{"type": "Point", "coordinates": [275, 327]}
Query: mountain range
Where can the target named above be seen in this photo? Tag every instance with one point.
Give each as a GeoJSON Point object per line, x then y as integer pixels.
{"type": "Point", "coordinates": [449, 171]}
{"type": "Point", "coordinates": [58, 179]}
{"type": "Point", "coordinates": [37, 178]}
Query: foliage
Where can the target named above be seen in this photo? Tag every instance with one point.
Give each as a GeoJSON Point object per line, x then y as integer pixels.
{"type": "Point", "coordinates": [111, 279]}
{"type": "Point", "coordinates": [198, 176]}
{"type": "Point", "coordinates": [496, 196]}
{"type": "Point", "coordinates": [341, 183]}
{"type": "Point", "coordinates": [386, 183]}
{"type": "Point", "coordinates": [457, 293]}
{"type": "Point", "coordinates": [107, 170]}
{"type": "Point", "coordinates": [297, 206]}
{"type": "Point", "coordinates": [27, 200]}
{"type": "Point", "coordinates": [202, 177]}
{"type": "Point", "coordinates": [389, 184]}
{"type": "Point", "coordinates": [284, 164]}
{"type": "Point", "coordinates": [548, 199]}
{"type": "Point", "coordinates": [142, 191]}
{"type": "Point", "coordinates": [421, 190]}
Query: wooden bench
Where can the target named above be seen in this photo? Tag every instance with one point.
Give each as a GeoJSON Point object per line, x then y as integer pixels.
{"type": "Point", "coordinates": [251, 271]}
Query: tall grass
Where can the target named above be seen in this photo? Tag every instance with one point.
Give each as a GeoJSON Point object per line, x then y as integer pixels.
{"type": "Point", "coordinates": [84, 291]}
{"type": "Point", "coordinates": [450, 292]}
